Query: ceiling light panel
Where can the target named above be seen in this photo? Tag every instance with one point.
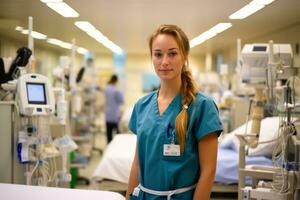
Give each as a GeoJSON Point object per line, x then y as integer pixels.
{"type": "Point", "coordinates": [201, 38]}
{"type": "Point", "coordinates": [34, 34]}
{"type": "Point", "coordinates": [209, 34]}
{"type": "Point", "coordinates": [220, 27]}
{"type": "Point", "coordinates": [250, 9]}
{"type": "Point", "coordinates": [19, 28]}
{"type": "Point", "coordinates": [51, 1]}
{"type": "Point", "coordinates": [262, 2]}
{"type": "Point", "coordinates": [98, 36]}
{"type": "Point", "coordinates": [63, 9]}
{"type": "Point", "coordinates": [85, 26]}
{"type": "Point", "coordinates": [60, 43]}
{"type": "Point", "coordinates": [246, 11]}
{"type": "Point", "coordinates": [82, 50]}
{"type": "Point", "coordinates": [53, 41]}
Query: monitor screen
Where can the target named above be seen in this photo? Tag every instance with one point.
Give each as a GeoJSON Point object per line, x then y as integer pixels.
{"type": "Point", "coordinates": [259, 48]}
{"type": "Point", "coordinates": [36, 93]}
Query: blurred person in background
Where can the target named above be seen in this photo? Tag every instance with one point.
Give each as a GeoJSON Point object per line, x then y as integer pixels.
{"type": "Point", "coordinates": [113, 100]}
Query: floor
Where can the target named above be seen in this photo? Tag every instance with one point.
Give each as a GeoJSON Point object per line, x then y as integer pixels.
{"type": "Point", "coordinates": [94, 159]}
{"type": "Point", "coordinates": [87, 172]}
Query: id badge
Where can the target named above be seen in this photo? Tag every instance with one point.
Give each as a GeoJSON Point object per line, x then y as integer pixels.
{"type": "Point", "coordinates": [171, 150]}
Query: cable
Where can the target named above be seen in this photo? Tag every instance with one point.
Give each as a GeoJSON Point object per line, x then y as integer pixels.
{"type": "Point", "coordinates": [267, 141]}
{"type": "Point", "coordinates": [31, 173]}
{"type": "Point", "coordinates": [5, 95]}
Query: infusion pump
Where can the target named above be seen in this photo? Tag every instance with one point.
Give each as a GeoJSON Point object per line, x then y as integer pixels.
{"type": "Point", "coordinates": [35, 95]}
{"type": "Point", "coordinates": [256, 60]}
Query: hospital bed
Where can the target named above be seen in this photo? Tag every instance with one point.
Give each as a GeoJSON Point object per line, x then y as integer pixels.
{"type": "Point", "coordinates": [112, 172]}
{"type": "Point", "coordinates": [117, 159]}
{"type": "Point", "coordinates": [27, 192]}
{"type": "Point", "coordinates": [116, 162]}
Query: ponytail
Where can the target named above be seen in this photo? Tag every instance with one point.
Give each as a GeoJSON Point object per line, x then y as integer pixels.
{"type": "Point", "coordinates": [188, 90]}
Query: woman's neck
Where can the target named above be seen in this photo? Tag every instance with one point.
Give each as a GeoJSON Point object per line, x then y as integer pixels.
{"type": "Point", "coordinates": [169, 89]}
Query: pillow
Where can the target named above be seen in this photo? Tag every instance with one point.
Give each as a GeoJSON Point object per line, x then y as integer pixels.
{"type": "Point", "coordinates": [226, 141]}
{"type": "Point", "coordinates": [268, 131]}
{"type": "Point", "coordinates": [241, 130]}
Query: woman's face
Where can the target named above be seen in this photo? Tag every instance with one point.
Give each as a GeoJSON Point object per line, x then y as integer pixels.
{"type": "Point", "coordinates": [166, 57]}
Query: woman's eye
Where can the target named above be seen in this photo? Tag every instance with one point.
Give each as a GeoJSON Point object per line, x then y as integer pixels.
{"type": "Point", "coordinates": [172, 54]}
{"type": "Point", "coordinates": [157, 55]}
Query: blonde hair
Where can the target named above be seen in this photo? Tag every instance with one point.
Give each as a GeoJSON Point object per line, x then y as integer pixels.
{"type": "Point", "coordinates": [188, 85]}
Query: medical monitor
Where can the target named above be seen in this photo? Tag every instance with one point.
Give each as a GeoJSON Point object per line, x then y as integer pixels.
{"type": "Point", "coordinates": [36, 93]}
{"type": "Point", "coordinates": [260, 48]}
{"type": "Point", "coordinates": [255, 61]}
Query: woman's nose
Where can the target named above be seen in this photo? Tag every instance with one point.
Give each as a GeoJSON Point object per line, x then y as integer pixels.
{"type": "Point", "coordinates": [165, 59]}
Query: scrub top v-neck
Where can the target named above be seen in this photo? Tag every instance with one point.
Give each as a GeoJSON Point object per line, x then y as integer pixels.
{"type": "Point", "coordinates": [163, 173]}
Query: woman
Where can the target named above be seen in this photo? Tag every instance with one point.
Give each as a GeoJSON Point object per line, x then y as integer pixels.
{"type": "Point", "coordinates": [176, 128]}
{"type": "Point", "coordinates": [113, 100]}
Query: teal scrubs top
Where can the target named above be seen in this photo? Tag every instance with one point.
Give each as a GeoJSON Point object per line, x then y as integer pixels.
{"type": "Point", "coordinates": [163, 173]}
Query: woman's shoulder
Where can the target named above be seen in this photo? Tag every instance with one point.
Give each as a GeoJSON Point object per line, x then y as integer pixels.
{"type": "Point", "coordinates": [203, 98]}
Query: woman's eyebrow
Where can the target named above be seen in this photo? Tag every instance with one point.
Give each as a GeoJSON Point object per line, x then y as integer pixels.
{"type": "Point", "coordinates": [168, 49]}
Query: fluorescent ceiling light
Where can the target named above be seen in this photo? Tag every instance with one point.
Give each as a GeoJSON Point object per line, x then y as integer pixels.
{"type": "Point", "coordinates": [98, 36]}
{"type": "Point", "coordinates": [261, 2]}
{"type": "Point", "coordinates": [35, 34]}
{"type": "Point", "coordinates": [63, 9]}
{"type": "Point", "coordinates": [116, 49]}
{"type": "Point", "coordinates": [85, 26]}
{"type": "Point", "coordinates": [19, 28]}
{"type": "Point", "coordinates": [67, 45]}
{"type": "Point", "coordinates": [54, 41]}
{"type": "Point", "coordinates": [51, 1]}
{"type": "Point", "coordinates": [82, 50]}
{"type": "Point", "coordinates": [209, 34]}
{"type": "Point", "coordinates": [60, 43]}
{"type": "Point", "coordinates": [246, 11]}
{"type": "Point", "coordinates": [220, 27]}
{"type": "Point", "coordinates": [201, 38]}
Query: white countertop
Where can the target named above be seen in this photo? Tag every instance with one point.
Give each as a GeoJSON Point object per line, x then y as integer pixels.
{"type": "Point", "coordinates": [27, 192]}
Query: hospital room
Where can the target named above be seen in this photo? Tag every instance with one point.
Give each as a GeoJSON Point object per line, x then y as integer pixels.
{"type": "Point", "coordinates": [150, 100]}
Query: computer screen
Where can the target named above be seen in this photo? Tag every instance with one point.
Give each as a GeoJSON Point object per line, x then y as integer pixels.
{"type": "Point", "coordinates": [260, 48]}
{"type": "Point", "coordinates": [36, 93]}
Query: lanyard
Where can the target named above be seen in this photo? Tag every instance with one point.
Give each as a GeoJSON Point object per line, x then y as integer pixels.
{"type": "Point", "coordinates": [171, 134]}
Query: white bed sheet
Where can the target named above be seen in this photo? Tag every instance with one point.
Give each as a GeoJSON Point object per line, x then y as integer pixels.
{"type": "Point", "coordinates": [228, 165]}
{"type": "Point", "coordinates": [116, 161]}
{"type": "Point", "coordinates": [28, 192]}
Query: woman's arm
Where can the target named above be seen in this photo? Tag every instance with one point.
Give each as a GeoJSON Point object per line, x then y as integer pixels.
{"type": "Point", "coordinates": [207, 150]}
{"type": "Point", "coordinates": [134, 175]}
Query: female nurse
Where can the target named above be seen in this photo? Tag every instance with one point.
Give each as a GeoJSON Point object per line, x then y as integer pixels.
{"type": "Point", "coordinates": [176, 127]}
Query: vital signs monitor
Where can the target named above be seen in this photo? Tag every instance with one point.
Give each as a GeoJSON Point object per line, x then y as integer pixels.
{"type": "Point", "coordinates": [35, 95]}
